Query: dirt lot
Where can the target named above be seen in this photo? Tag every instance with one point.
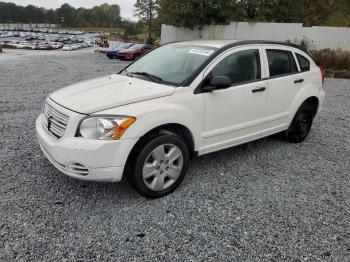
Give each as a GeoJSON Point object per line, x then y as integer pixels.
{"type": "Point", "coordinates": [268, 200]}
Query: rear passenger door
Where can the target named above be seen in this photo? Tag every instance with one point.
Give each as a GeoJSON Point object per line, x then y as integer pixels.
{"type": "Point", "coordinates": [284, 84]}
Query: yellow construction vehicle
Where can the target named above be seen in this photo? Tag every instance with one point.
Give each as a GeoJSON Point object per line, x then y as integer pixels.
{"type": "Point", "coordinates": [104, 41]}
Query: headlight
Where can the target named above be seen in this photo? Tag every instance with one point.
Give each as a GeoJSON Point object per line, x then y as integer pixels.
{"type": "Point", "coordinates": [105, 128]}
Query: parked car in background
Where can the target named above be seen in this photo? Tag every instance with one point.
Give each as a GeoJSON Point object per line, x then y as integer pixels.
{"type": "Point", "coordinates": [56, 45]}
{"type": "Point", "coordinates": [44, 46]}
{"type": "Point", "coordinates": [134, 51]}
{"type": "Point", "coordinates": [67, 48]}
{"type": "Point", "coordinates": [48, 37]}
{"type": "Point", "coordinates": [14, 43]}
{"type": "Point", "coordinates": [180, 100]}
{"type": "Point", "coordinates": [22, 44]}
{"type": "Point", "coordinates": [74, 47]}
{"type": "Point", "coordinates": [89, 43]}
{"type": "Point", "coordinates": [112, 53]}
{"type": "Point", "coordinates": [31, 37]}
{"type": "Point", "coordinates": [33, 46]}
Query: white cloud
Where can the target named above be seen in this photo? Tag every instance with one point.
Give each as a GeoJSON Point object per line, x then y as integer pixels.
{"type": "Point", "coordinates": [127, 6]}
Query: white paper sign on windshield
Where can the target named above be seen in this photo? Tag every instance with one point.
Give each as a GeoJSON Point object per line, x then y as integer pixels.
{"type": "Point", "coordinates": [205, 52]}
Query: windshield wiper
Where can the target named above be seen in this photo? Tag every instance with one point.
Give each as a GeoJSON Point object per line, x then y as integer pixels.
{"type": "Point", "coordinates": [126, 72]}
{"type": "Point", "coordinates": [154, 78]}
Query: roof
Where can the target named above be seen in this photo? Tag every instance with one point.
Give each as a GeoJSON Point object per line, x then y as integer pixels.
{"type": "Point", "coordinates": [210, 43]}
{"type": "Point", "coordinates": [223, 44]}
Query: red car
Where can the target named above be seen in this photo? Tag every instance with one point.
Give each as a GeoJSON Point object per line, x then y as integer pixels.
{"type": "Point", "coordinates": [134, 51]}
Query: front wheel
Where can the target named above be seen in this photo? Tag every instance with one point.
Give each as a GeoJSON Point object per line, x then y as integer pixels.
{"type": "Point", "coordinates": [160, 166]}
{"type": "Point", "coordinates": [301, 124]}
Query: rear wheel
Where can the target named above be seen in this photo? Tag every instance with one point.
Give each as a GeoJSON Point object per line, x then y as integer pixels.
{"type": "Point", "coordinates": [301, 124]}
{"type": "Point", "coordinates": [160, 166]}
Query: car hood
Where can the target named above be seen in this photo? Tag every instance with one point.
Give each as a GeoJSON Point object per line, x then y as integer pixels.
{"type": "Point", "coordinates": [115, 49]}
{"type": "Point", "coordinates": [107, 92]}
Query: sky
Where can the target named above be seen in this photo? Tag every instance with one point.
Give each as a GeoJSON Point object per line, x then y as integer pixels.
{"type": "Point", "coordinates": [127, 6]}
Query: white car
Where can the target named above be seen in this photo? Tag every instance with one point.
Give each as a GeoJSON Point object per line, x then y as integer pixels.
{"type": "Point", "coordinates": [75, 47]}
{"type": "Point", "coordinates": [178, 101]}
{"type": "Point", "coordinates": [67, 48]}
{"type": "Point", "coordinates": [22, 45]}
{"type": "Point", "coordinates": [56, 45]}
{"type": "Point", "coordinates": [88, 43]}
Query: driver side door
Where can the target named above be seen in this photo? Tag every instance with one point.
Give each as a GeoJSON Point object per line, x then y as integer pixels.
{"type": "Point", "coordinates": [235, 115]}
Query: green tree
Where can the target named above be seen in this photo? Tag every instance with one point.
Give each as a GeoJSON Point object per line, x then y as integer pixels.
{"type": "Point", "coordinates": [100, 16]}
{"type": "Point", "coordinates": [281, 11]}
{"type": "Point", "coordinates": [190, 13]}
{"type": "Point", "coordinates": [147, 11]}
{"type": "Point", "coordinates": [341, 15]}
{"type": "Point", "coordinates": [317, 12]}
{"type": "Point", "coordinates": [51, 16]}
{"type": "Point", "coordinates": [181, 12]}
{"type": "Point", "coordinates": [10, 12]}
{"type": "Point", "coordinates": [132, 28]}
{"type": "Point", "coordinates": [66, 14]}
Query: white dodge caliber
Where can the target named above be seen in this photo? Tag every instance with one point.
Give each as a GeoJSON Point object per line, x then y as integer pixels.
{"type": "Point", "coordinates": [180, 100]}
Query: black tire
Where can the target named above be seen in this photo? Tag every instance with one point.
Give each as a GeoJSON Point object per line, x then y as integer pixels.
{"type": "Point", "coordinates": [301, 124]}
{"type": "Point", "coordinates": [135, 175]}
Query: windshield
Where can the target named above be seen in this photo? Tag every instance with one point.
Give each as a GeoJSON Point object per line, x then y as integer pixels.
{"type": "Point", "coordinates": [121, 46]}
{"type": "Point", "coordinates": [135, 47]}
{"type": "Point", "coordinates": [125, 46]}
{"type": "Point", "coordinates": [172, 63]}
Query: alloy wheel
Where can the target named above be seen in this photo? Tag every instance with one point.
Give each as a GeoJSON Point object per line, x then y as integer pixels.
{"type": "Point", "coordinates": [162, 167]}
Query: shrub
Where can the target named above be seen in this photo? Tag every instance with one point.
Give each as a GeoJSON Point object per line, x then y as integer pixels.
{"type": "Point", "coordinates": [332, 59]}
{"type": "Point", "coordinates": [303, 43]}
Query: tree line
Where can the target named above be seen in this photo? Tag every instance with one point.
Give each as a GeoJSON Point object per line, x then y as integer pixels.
{"type": "Point", "coordinates": [104, 15]}
{"type": "Point", "coordinates": [187, 13]}
{"type": "Point", "coordinates": [191, 13]}
{"type": "Point", "coordinates": [202, 12]}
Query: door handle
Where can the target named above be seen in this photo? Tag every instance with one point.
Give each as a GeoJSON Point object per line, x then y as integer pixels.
{"type": "Point", "coordinates": [299, 81]}
{"type": "Point", "coordinates": [259, 89]}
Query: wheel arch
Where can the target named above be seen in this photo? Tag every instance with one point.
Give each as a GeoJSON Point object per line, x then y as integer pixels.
{"type": "Point", "coordinates": [314, 103]}
{"type": "Point", "coordinates": [309, 94]}
{"type": "Point", "coordinates": [169, 128]}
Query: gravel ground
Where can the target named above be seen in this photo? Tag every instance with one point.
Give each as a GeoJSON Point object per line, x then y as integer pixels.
{"type": "Point", "coordinates": [264, 201]}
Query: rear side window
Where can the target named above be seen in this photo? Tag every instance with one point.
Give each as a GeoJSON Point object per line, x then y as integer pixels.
{"type": "Point", "coordinates": [281, 62]}
{"type": "Point", "coordinates": [304, 63]}
{"type": "Point", "coordinates": [240, 67]}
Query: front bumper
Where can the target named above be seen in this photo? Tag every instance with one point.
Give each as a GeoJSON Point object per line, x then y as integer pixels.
{"type": "Point", "coordinates": [112, 54]}
{"type": "Point", "coordinates": [85, 159]}
{"type": "Point", "coordinates": [126, 56]}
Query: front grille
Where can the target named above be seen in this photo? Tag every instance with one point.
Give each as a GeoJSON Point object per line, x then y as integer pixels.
{"type": "Point", "coordinates": [54, 122]}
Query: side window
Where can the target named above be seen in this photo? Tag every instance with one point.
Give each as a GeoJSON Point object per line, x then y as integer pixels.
{"type": "Point", "coordinates": [281, 62]}
{"type": "Point", "coordinates": [304, 63]}
{"type": "Point", "coordinates": [240, 67]}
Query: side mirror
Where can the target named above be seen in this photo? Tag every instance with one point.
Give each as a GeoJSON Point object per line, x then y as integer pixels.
{"type": "Point", "coordinates": [217, 82]}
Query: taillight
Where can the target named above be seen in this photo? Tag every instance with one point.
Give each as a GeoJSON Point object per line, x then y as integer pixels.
{"type": "Point", "coordinates": [323, 74]}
